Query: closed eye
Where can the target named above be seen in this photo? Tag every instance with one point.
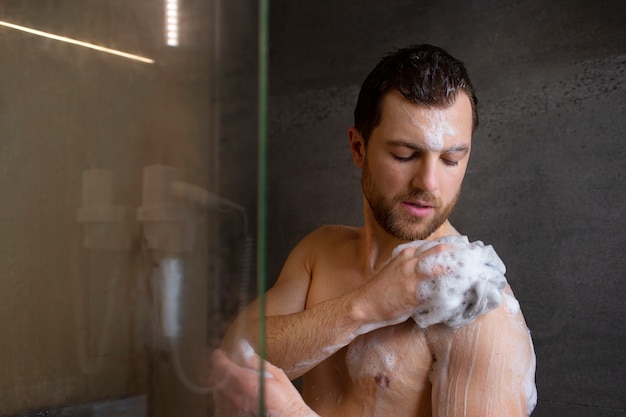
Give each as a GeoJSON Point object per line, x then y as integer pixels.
{"type": "Point", "coordinates": [403, 158]}
{"type": "Point", "coordinates": [454, 155]}
{"type": "Point", "coordinates": [450, 163]}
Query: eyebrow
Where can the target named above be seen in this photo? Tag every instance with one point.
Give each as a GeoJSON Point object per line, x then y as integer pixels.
{"type": "Point", "coordinates": [456, 149]}
{"type": "Point", "coordinates": [464, 149]}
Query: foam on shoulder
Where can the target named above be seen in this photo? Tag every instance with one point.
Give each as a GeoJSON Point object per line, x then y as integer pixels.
{"type": "Point", "coordinates": [467, 282]}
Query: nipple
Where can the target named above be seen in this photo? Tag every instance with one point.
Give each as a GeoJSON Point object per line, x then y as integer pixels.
{"type": "Point", "coordinates": [382, 380]}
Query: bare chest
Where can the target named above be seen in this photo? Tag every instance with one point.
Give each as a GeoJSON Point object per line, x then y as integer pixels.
{"type": "Point", "coordinates": [394, 361]}
{"type": "Point", "coordinates": [382, 373]}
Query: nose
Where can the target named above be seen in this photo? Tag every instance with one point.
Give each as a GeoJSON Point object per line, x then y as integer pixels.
{"type": "Point", "coordinates": [425, 176]}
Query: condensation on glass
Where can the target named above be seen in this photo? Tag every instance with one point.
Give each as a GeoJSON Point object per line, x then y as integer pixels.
{"type": "Point", "coordinates": [128, 157]}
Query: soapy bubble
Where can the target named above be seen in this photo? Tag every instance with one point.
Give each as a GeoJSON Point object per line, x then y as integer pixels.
{"type": "Point", "coordinates": [468, 281]}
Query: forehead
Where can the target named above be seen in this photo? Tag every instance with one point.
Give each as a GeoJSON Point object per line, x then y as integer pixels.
{"type": "Point", "coordinates": [432, 127]}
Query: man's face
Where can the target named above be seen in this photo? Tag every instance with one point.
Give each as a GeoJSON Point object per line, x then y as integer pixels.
{"type": "Point", "coordinates": [414, 164]}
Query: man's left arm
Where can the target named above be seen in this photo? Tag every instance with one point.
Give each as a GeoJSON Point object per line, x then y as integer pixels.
{"type": "Point", "coordinates": [485, 369]}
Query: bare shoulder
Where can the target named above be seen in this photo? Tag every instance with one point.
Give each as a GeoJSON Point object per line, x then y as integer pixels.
{"type": "Point", "coordinates": [332, 244]}
{"type": "Point", "coordinates": [335, 262]}
{"type": "Point", "coordinates": [317, 254]}
{"type": "Point", "coordinates": [334, 233]}
{"type": "Point", "coordinates": [317, 245]}
{"type": "Point", "coordinates": [325, 239]}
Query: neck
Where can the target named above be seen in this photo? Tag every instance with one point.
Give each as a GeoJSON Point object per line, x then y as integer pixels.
{"type": "Point", "coordinates": [379, 244]}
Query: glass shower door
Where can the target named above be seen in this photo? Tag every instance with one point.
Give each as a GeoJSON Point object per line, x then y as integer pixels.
{"type": "Point", "coordinates": [128, 222]}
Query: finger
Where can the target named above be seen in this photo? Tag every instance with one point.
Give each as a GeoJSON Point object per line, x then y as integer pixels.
{"type": "Point", "coordinates": [255, 362]}
{"type": "Point", "coordinates": [232, 380]}
{"type": "Point", "coordinates": [218, 367]}
{"type": "Point", "coordinates": [427, 262]}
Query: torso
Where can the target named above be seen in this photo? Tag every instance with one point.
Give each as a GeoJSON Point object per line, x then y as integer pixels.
{"type": "Point", "coordinates": [405, 371]}
{"type": "Point", "coordinates": [381, 373]}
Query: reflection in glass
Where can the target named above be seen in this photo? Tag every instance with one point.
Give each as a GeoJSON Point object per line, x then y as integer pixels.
{"type": "Point", "coordinates": [127, 173]}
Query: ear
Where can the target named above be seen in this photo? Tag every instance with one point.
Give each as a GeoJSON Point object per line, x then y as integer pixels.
{"type": "Point", "coordinates": [357, 147]}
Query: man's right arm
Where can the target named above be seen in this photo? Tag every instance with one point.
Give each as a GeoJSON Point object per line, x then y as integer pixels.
{"type": "Point", "coordinates": [299, 338]}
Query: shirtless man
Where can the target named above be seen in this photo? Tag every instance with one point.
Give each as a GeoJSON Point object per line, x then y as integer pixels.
{"type": "Point", "coordinates": [340, 312]}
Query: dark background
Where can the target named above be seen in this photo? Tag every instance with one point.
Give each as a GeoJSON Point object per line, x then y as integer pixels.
{"type": "Point", "coordinates": [545, 184]}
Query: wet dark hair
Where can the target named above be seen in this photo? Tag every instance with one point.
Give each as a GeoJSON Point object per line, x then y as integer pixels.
{"type": "Point", "coordinates": [424, 74]}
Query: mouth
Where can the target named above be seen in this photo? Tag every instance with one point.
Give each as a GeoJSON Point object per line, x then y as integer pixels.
{"type": "Point", "coordinates": [418, 208]}
{"type": "Point", "coordinates": [419, 204]}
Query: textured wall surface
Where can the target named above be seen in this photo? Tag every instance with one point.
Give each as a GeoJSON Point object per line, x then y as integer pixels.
{"type": "Point", "coordinates": [545, 184]}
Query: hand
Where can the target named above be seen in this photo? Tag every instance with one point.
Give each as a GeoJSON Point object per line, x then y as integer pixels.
{"type": "Point", "coordinates": [470, 280]}
{"type": "Point", "coordinates": [447, 280]}
{"type": "Point", "coordinates": [236, 386]}
{"type": "Point", "coordinates": [391, 295]}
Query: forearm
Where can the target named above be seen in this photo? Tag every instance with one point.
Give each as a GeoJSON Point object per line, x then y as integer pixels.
{"type": "Point", "coordinates": [299, 341]}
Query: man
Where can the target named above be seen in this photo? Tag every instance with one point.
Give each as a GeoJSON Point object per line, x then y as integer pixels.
{"type": "Point", "coordinates": [339, 313]}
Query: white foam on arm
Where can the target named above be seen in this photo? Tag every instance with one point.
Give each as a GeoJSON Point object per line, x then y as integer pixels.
{"type": "Point", "coordinates": [484, 363]}
{"type": "Point", "coordinates": [469, 281]}
{"type": "Point", "coordinates": [484, 369]}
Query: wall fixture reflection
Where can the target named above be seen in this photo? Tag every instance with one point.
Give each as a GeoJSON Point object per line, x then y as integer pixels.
{"type": "Point", "coordinates": [168, 216]}
{"type": "Point", "coordinates": [171, 22]}
{"type": "Point", "coordinates": [107, 242]}
{"type": "Point", "coordinates": [77, 42]}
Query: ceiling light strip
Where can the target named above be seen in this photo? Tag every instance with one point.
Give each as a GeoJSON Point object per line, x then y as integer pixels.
{"type": "Point", "coordinates": [171, 22]}
{"type": "Point", "coordinates": [76, 42]}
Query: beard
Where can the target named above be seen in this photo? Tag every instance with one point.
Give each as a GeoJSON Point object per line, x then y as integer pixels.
{"type": "Point", "coordinates": [398, 223]}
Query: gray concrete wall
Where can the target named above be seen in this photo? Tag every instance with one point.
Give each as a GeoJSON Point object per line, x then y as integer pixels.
{"type": "Point", "coordinates": [545, 184]}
